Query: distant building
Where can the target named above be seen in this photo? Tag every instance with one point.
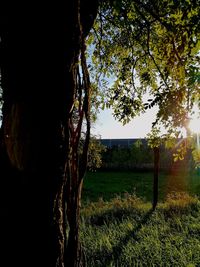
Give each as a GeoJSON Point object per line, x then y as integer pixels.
{"type": "Point", "coordinates": [122, 143]}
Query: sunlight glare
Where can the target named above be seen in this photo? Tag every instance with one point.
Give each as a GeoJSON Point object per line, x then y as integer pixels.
{"type": "Point", "coordinates": [195, 125]}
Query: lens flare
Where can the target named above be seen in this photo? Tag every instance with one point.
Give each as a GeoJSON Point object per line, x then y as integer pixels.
{"type": "Point", "coordinates": [195, 125]}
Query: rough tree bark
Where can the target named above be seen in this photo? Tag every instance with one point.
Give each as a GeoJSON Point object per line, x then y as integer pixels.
{"type": "Point", "coordinates": [40, 47]}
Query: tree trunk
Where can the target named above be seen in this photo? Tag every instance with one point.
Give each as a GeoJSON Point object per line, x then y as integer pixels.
{"type": "Point", "coordinates": [74, 251]}
{"type": "Point", "coordinates": [37, 53]}
{"type": "Point", "coordinates": [32, 70]}
{"type": "Point", "coordinates": [31, 140]}
{"type": "Point", "coordinates": [155, 180]}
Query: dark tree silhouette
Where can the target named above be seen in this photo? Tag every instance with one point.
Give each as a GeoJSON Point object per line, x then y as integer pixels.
{"type": "Point", "coordinates": [40, 50]}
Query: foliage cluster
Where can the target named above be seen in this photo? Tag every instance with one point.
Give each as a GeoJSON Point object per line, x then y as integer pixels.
{"type": "Point", "coordinates": [153, 47]}
{"type": "Point", "coordinates": [96, 149]}
{"type": "Point", "coordinates": [196, 156]}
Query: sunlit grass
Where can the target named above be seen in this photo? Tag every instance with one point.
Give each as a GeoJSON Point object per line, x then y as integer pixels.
{"type": "Point", "coordinates": [126, 232]}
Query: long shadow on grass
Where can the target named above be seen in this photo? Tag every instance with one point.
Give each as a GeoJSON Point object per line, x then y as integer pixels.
{"type": "Point", "coordinates": [132, 234]}
{"type": "Point", "coordinates": [115, 215]}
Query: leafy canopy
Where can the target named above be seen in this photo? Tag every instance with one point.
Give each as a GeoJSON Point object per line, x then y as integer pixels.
{"type": "Point", "coordinates": [148, 46]}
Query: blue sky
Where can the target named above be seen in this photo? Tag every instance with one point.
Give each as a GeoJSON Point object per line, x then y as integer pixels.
{"type": "Point", "coordinates": [107, 127]}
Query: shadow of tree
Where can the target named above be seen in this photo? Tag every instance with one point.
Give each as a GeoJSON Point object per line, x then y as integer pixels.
{"type": "Point", "coordinates": [118, 248]}
{"type": "Point", "coordinates": [114, 215]}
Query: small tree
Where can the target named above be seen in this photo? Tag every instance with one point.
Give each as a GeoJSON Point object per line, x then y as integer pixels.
{"type": "Point", "coordinates": [95, 154]}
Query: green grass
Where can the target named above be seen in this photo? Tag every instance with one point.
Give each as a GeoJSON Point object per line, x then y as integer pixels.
{"type": "Point", "coordinates": [125, 232]}
{"type": "Point", "coordinates": [107, 185]}
{"type": "Point", "coordinates": [119, 228]}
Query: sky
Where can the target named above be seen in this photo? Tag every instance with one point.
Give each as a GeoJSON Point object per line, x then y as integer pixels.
{"type": "Point", "coordinates": [107, 127]}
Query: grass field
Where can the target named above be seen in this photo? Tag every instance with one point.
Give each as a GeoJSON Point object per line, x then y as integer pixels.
{"type": "Point", "coordinates": [107, 185]}
{"type": "Point", "coordinates": [125, 232]}
{"type": "Point", "coordinates": [120, 229]}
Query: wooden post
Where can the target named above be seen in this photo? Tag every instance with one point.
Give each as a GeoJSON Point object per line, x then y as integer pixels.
{"type": "Point", "coordinates": [155, 180]}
